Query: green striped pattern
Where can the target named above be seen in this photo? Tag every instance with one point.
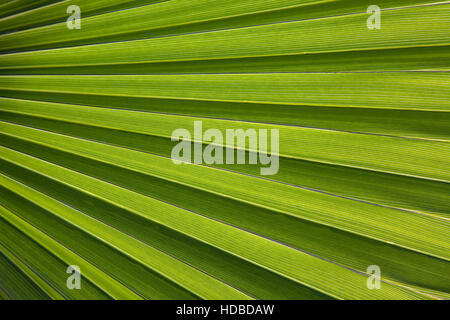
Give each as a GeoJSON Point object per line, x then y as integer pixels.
{"type": "Point", "coordinates": [87, 179]}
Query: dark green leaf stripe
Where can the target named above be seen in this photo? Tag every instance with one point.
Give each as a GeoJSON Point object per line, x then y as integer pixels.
{"type": "Point", "coordinates": [420, 59]}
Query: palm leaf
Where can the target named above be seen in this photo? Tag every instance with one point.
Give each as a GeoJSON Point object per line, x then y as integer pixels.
{"type": "Point", "coordinates": [87, 177]}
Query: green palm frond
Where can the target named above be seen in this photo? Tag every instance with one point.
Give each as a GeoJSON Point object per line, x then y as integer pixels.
{"type": "Point", "coordinates": [87, 178]}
